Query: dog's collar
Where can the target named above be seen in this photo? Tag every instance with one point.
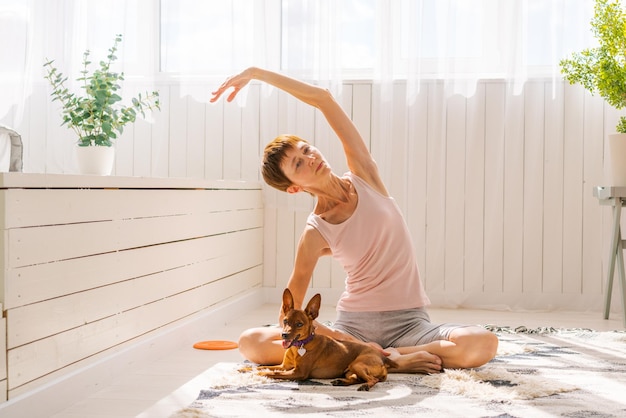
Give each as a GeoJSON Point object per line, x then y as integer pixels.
{"type": "Point", "coordinates": [307, 340]}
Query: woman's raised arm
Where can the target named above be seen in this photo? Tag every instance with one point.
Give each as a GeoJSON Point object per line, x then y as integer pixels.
{"type": "Point", "coordinates": [358, 158]}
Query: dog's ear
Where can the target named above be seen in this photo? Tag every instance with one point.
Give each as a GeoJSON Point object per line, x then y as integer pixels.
{"type": "Point", "coordinates": [313, 307]}
{"type": "Point", "coordinates": [287, 301]}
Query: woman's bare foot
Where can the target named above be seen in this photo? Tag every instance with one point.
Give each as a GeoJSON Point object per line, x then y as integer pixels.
{"type": "Point", "coordinates": [417, 362]}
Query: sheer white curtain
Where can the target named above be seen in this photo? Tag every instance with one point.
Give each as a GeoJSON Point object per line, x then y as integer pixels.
{"type": "Point", "coordinates": [212, 40]}
{"type": "Point", "coordinates": [459, 42]}
{"type": "Point", "coordinates": [323, 41]}
{"type": "Point", "coordinates": [463, 41]}
{"type": "Point", "coordinates": [36, 30]}
{"type": "Point", "coordinates": [206, 41]}
{"type": "Point", "coordinates": [310, 43]}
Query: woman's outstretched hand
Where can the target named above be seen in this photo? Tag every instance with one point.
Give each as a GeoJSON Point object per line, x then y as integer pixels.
{"type": "Point", "coordinates": [237, 82]}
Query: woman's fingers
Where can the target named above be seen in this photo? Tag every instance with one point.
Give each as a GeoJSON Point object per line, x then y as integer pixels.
{"type": "Point", "coordinates": [220, 90]}
{"type": "Point", "coordinates": [233, 94]}
{"type": "Point", "coordinates": [218, 93]}
{"type": "Point", "coordinates": [237, 82]}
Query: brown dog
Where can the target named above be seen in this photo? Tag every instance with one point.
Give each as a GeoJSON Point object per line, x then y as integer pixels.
{"type": "Point", "coordinates": [315, 356]}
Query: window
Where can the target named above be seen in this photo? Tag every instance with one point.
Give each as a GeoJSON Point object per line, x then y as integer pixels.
{"type": "Point", "coordinates": [347, 25]}
{"type": "Point", "coordinates": [195, 35]}
{"type": "Point", "coordinates": [485, 37]}
{"type": "Point", "coordinates": [216, 37]}
{"type": "Point", "coordinates": [13, 26]}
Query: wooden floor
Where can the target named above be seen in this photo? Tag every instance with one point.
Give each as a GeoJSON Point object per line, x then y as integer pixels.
{"type": "Point", "coordinates": [173, 382]}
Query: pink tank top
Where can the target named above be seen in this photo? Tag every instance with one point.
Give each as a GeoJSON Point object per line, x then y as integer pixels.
{"type": "Point", "coordinates": [375, 249]}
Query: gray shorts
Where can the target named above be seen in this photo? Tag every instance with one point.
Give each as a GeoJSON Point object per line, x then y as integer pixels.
{"type": "Point", "coordinates": [404, 328]}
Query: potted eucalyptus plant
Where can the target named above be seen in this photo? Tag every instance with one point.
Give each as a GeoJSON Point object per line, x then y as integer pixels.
{"type": "Point", "coordinates": [602, 70]}
{"type": "Point", "coordinates": [97, 116]}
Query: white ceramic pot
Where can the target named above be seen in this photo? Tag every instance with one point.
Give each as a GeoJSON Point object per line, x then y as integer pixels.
{"type": "Point", "coordinates": [95, 160]}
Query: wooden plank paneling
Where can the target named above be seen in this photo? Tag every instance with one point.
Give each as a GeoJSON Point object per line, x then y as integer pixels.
{"type": "Point", "coordinates": [251, 146]}
{"type": "Point", "coordinates": [3, 356]}
{"type": "Point", "coordinates": [533, 191]}
{"type": "Point", "coordinates": [195, 140]}
{"type": "Point", "coordinates": [417, 154]}
{"type": "Point", "coordinates": [30, 284]}
{"type": "Point", "coordinates": [474, 199]}
{"type": "Point", "coordinates": [86, 270]}
{"type": "Point", "coordinates": [92, 205]}
{"type": "Point", "coordinates": [434, 278]}
{"type": "Point", "coordinates": [553, 195]}
{"type": "Point", "coordinates": [214, 137]}
{"type": "Point", "coordinates": [495, 96]}
{"type": "Point", "coordinates": [44, 356]}
{"type": "Point", "coordinates": [142, 148]}
{"type": "Point", "coordinates": [233, 131]}
{"type": "Point", "coordinates": [177, 144]}
{"type": "Point", "coordinates": [396, 145]}
{"type": "Point", "coordinates": [41, 245]}
{"type": "Point", "coordinates": [513, 193]}
{"type": "Point", "coordinates": [39, 282]}
{"type": "Point", "coordinates": [573, 189]}
{"type": "Point", "coordinates": [227, 254]}
{"type": "Point", "coordinates": [456, 195]}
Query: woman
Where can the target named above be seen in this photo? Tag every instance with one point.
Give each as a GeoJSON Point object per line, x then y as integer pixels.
{"type": "Point", "coordinates": [359, 224]}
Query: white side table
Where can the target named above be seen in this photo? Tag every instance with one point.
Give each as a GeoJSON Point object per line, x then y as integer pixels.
{"type": "Point", "coordinates": [616, 197]}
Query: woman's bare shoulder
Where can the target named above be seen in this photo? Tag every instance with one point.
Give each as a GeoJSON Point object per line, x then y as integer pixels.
{"type": "Point", "coordinates": [312, 242]}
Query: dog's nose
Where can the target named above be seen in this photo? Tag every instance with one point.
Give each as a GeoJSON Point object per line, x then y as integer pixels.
{"type": "Point", "coordinates": [284, 335]}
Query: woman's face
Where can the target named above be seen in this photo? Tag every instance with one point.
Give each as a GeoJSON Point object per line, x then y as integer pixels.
{"type": "Point", "coordinates": [304, 165]}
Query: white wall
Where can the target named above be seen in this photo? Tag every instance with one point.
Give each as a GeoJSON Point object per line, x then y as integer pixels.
{"type": "Point", "coordinates": [496, 188]}
{"type": "Point", "coordinates": [109, 262]}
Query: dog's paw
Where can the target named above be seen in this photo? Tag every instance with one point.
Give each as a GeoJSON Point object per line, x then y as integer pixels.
{"type": "Point", "coordinates": [246, 369]}
{"type": "Point", "coordinates": [364, 387]}
{"type": "Point", "coordinates": [265, 372]}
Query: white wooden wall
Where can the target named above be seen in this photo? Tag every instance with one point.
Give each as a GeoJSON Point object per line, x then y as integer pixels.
{"type": "Point", "coordinates": [496, 188]}
{"type": "Point", "coordinates": [90, 266]}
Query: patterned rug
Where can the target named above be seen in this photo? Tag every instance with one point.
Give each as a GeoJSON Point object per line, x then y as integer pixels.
{"type": "Point", "coordinates": [543, 372]}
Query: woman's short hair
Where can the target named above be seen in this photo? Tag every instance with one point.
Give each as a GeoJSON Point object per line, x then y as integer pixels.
{"type": "Point", "coordinates": [273, 156]}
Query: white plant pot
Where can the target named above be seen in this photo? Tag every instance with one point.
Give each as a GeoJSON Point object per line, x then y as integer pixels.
{"type": "Point", "coordinates": [95, 160]}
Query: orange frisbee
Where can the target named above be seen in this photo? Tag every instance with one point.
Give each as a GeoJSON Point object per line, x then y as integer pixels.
{"type": "Point", "coordinates": [215, 345]}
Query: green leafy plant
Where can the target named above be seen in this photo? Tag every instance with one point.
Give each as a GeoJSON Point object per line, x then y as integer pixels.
{"type": "Point", "coordinates": [97, 117]}
{"type": "Point", "coordinates": [602, 69]}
